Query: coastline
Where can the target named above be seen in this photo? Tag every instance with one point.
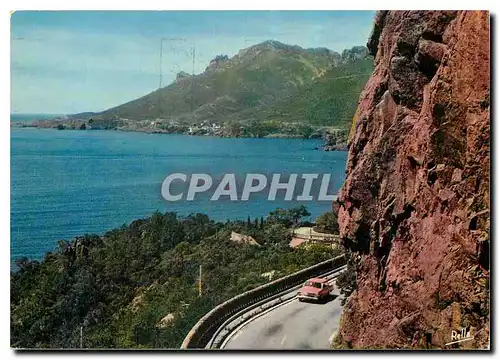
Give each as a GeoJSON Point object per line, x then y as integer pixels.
{"type": "Point", "coordinates": [89, 181]}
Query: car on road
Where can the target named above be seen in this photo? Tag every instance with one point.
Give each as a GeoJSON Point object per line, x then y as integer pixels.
{"type": "Point", "coordinates": [315, 289]}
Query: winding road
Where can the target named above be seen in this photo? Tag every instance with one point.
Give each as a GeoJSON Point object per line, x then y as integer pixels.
{"type": "Point", "coordinates": [293, 325]}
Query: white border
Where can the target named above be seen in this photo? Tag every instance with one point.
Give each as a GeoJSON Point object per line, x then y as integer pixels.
{"type": "Point", "coordinates": [184, 5]}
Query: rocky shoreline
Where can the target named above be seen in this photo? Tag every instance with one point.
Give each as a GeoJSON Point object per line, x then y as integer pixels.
{"type": "Point", "coordinates": [337, 147]}
{"type": "Point", "coordinates": [333, 141]}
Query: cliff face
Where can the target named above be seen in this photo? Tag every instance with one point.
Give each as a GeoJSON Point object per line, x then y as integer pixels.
{"type": "Point", "coordinates": [415, 205]}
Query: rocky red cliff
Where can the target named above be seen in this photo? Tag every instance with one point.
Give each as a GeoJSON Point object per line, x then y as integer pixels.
{"type": "Point", "coordinates": [414, 209]}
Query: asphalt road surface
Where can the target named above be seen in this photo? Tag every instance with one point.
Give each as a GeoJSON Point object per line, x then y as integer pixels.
{"type": "Point", "coordinates": [295, 325]}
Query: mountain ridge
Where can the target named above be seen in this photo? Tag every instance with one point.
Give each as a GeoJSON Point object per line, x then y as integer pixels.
{"type": "Point", "coordinates": [269, 89]}
{"type": "Point", "coordinates": [256, 77]}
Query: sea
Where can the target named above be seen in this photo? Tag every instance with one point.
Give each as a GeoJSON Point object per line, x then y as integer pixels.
{"type": "Point", "coordinates": [67, 183]}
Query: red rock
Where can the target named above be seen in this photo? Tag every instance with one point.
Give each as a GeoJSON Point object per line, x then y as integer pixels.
{"type": "Point", "coordinates": [415, 203]}
{"type": "Point", "coordinates": [429, 55]}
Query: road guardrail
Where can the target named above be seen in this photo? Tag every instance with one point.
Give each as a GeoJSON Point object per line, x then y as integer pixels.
{"type": "Point", "coordinates": [203, 331]}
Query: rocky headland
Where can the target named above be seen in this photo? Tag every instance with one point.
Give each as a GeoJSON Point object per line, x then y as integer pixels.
{"type": "Point", "coordinates": [415, 206]}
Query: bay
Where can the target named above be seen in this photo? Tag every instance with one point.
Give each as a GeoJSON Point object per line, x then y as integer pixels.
{"type": "Point", "coordinates": [69, 183]}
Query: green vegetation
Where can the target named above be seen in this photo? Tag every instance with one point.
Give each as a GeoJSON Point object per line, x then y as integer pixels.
{"type": "Point", "coordinates": [330, 100]}
{"type": "Point", "coordinates": [327, 222]}
{"type": "Point", "coordinates": [288, 217]}
{"type": "Point", "coordinates": [119, 286]}
{"type": "Point", "coordinates": [347, 280]}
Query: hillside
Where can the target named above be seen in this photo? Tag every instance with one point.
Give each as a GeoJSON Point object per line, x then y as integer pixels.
{"type": "Point", "coordinates": [255, 76]}
{"type": "Point", "coordinates": [270, 81]}
{"type": "Point", "coordinates": [329, 100]}
{"type": "Point", "coordinates": [137, 286]}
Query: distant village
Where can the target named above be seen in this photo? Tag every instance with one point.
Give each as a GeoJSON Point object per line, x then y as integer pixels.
{"type": "Point", "coordinates": [204, 126]}
{"type": "Point", "coordinates": [335, 139]}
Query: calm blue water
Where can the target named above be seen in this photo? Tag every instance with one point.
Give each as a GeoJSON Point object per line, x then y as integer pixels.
{"type": "Point", "coordinates": [68, 183]}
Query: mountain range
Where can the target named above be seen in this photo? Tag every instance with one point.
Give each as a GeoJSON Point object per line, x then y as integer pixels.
{"type": "Point", "coordinates": [266, 83]}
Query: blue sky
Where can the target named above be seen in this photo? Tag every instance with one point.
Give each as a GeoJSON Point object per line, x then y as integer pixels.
{"type": "Point", "coordinates": [69, 62]}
